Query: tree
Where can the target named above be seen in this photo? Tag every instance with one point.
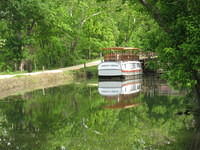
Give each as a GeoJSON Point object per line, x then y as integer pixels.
{"type": "Point", "coordinates": [53, 33]}
{"type": "Point", "coordinates": [179, 33]}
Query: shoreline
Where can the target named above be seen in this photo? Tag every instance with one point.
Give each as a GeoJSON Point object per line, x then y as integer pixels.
{"type": "Point", "coordinates": [60, 70]}
{"type": "Point", "coordinates": [25, 82]}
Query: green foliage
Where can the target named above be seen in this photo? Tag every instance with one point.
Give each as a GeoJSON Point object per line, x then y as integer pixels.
{"type": "Point", "coordinates": [54, 33]}
{"type": "Point", "coordinates": [72, 116]}
{"type": "Point", "coordinates": [62, 33]}
{"type": "Point", "coordinates": [174, 36]}
{"type": "Point", "coordinates": [2, 43]}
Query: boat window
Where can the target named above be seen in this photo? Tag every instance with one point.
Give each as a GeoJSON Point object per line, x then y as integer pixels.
{"type": "Point", "coordinates": [138, 87]}
{"type": "Point", "coordinates": [138, 65]}
{"type": "Point", "coordinates": [133, 88]}
{"type": "Point", "coordinates": [110, 65]}
{"type": "Point", "coordinates": [133, 66]}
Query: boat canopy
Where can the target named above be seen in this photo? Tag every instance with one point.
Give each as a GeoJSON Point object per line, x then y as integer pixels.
{"type": "Point", "coordinates": [120, 54]}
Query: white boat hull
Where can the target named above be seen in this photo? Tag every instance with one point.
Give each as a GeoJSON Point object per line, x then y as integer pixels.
{"type": "Point", "coordinates": [120, 68]}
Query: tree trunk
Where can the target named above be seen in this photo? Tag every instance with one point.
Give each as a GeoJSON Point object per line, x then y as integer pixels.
{"type": "Point", "coordinates": [22, 66]}
{"type": "Point", "coordinates": [73, 45]}
{"type": "Point", "coordinates": [26, 65]}
{"type": "Point", "coordinates": [197, 86]}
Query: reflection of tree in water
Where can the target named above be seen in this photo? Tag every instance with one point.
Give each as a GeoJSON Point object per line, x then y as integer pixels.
{"type": "Point", "coordinates": [72, 116]}
{"type": "Point", "coordinates": [33, 119]}
{"type": "Point", "coordinates": [15, 127]}
{"type": "Point", "coordinates": [165, 108]}
{"type": "Point", "coordinates": [195, 136]}
{"type": "Point", "coordinates": [154, 85]}
{"type": "Point", "coordinates": [156, 121]}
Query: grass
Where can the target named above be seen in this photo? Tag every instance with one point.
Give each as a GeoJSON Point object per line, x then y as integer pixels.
{"type": "Point", "coordinates": [12, 73]}
{"type": "Point", "coordinates": [87, 72]}
{"type": "Point", "coordinates": [89, 69]}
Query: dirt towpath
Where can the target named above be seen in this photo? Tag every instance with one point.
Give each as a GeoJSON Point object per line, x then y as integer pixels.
{"type": "Point", "coordinates": [77, 67]}
{"type": "Point", "coordinates": [25, 82]}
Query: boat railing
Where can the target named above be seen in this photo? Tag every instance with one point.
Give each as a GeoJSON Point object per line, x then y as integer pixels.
{"type": "Point", "coordinates": [121, 57]}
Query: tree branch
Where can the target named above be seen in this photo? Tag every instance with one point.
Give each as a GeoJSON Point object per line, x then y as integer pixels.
{"type": "Point", "coordinates": [156, 15]}
{"type": "Point", "coordinates": [30, 28]}
{"type": "Point", "coordinates": [87, 18]}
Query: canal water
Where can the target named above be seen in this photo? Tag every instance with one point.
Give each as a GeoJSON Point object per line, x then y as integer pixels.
{"type": "Point", "coordinates": [142, 113]}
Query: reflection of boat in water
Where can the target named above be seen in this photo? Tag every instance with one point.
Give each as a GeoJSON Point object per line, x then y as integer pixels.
{"type": "Point", "coordinates": [121, 105]}
{"type": "Point", "coordinates": [120, 61]}
{"type": "Point", "coordinates": [120, 87]}
{"type": "Point", "coordinates": [122, 91]}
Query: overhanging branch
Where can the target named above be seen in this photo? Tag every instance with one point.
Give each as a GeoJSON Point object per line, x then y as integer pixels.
{"type": "Point", "coordinates": [87, 18]}
{"type": "Point", "coordinates": [156, 15]}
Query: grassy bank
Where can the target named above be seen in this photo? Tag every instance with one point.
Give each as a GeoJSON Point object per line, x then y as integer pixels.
{"type": "Point", "coordinates": [88, 72]}
{"type": "Point", "coordinates": [21, 84]}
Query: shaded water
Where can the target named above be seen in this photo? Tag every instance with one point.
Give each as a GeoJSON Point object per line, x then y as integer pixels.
{"type": "Point", "coordinates": [138, 114]}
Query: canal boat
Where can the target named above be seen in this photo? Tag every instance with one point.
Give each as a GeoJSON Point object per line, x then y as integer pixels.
{"type": "Point", "coordinates": [120, 61]}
